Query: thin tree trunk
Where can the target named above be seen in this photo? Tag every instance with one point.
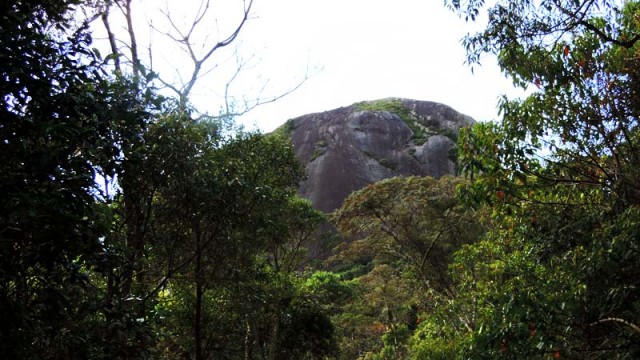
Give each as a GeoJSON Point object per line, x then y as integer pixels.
{"type": "Point", "coordinates": [248, 343]}
{"type": "Point", "coordinates": [135, 59]}
{"type": "Point", "coordinates": [111, 36]}
{"type": "Point", "coordinates": [199, 292]}
{"type": "Point", "coordinates": [135, 238]}
{"type": "Point", "coordinates": [275, 334]}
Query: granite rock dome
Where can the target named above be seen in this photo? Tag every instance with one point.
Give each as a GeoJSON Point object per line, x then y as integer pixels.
{"type": "Point", "coordinates": [350, 147]}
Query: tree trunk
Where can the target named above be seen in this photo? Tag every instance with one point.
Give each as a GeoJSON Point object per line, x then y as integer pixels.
{"type": "Point", "coordinates": [275, 334]}
{"type": "Point", "coordinates": [199, 292]}
{"type": "Point", "coordinates": [134, 220]}
{"type": "Point", "coordinates": [248, 343]}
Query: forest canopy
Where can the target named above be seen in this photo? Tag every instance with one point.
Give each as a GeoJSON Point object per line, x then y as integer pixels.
{"type": "Point", "coordinates": [559, 177]}
{"type": "Point", "coordinates": [133, 225]}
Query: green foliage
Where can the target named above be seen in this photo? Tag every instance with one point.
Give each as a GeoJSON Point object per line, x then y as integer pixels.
{"type": "Point", "coordinates": [63, 123]}
{"type": "Point", "coordinates": [434, 342]}
{"type": "Point", "coordinates": [395, 106]}
{"type": "Point", "coordinates": [320, 148]}
{"type": "Point", "coordinates": [307, 333]}
{"type": "Point", "coordinates": [286, 129]}
{"type": "Point", "coordinates": [557, 182]}
{"type": "Point", "coordinates": [407, 229]}
{"type": "Point", "coordinates": [387, 163]}
{"type": "Point", "coordinates": [230, 228]}
{"type": "Point", "coordinates": [393, 344]}
{"type": "Point", "coordinates": [129, 230]}
{"type": "Point", "coordinates": [330, 289]}
{"type": "Point", "coordinates": [413, 219]}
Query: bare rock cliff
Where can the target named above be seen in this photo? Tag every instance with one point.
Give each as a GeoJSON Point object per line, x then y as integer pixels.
{"type": "Point", "coordinates": [350, 147]}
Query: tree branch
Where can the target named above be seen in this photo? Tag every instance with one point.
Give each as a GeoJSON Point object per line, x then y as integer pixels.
{"type": "Point", "coordinates": [633, 326]}
{"type": "Point", "coordinates": [111, 36]}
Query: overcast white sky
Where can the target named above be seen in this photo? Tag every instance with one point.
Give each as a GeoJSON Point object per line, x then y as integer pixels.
{"type": "Point", "coordinates": [354, 50]}
{"type": "Point", "coordinates": [369, 49]}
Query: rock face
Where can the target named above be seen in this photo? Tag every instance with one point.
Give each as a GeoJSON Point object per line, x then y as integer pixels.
{"type": "Point", "coordinates": [350, 147]}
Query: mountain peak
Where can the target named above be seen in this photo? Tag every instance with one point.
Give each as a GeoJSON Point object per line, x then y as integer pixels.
{"type": "Point", "coordinates": [350, 147]}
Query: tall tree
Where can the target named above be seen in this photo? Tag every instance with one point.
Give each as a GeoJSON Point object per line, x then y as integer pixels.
{"type": "Point", "coordinates": [559, 175]}
{"type": "Point", "coordinates": [224, 243]}
{"type": "Point", "coordinates": [203, 38]}
{"type": "Point", "coordinates": [62, 123]}
{"type": "Point", "coordinates": [408, 228]}
{"type": "Point", "coordinates": [412, 219]}
{"type": "Point", "coordinates": [114, 203]}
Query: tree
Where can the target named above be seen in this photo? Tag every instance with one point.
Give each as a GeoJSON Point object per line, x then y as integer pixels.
{"type": "Point", "coordinates": [124, 221]}
{"type": "Point", "coordinates": [147, 158]}
{"type": "Point", "coordinates": [224, 245]}
{"type": "Point", "coordinates": [559, 177]}
{"type": "Point", "coordinates": [63, 122]}
{"type": "Point", "coordinates": [412, 219]}
{"type": "Point", "coordinates": [203, 38]}
{"type": "Point", "coordinates": [209, 214]}
{"type": "Point", "coordinates": [408, 228]}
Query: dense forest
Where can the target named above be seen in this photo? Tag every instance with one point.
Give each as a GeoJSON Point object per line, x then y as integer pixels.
{"type": "Point", "coordinates": [134, 226]}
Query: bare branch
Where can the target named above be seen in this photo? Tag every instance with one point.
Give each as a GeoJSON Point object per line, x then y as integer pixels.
{"type": "Point", "coordinates": [578, 17]}
{"type": "Point", "coordinates": [252, 104]}
{"type": "Point", "coordinates": [134, 44]}
{"type": "Point", "coordinates": [199, 54]}
{"type": "Point", "coordinates": [633, 326]}
{"type": "Point", "coordinates": [111, 36]}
